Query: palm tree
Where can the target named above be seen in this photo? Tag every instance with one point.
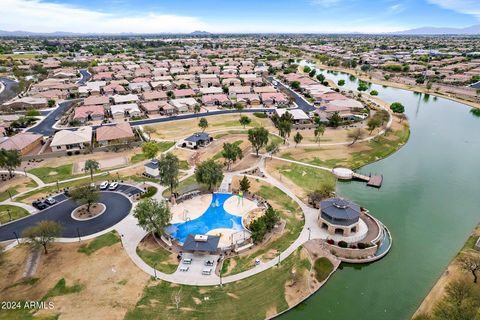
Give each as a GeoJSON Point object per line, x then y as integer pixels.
{"type": "Point", "coordinates": [91, 165]}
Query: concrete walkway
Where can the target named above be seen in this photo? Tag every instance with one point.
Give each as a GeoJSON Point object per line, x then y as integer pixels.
{"type": "Point", "coordinates": [37, 180]}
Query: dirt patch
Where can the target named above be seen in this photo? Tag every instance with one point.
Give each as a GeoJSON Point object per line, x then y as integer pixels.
{"type": "Point", "coordinates": [106, 163]}
{"type": "Point", "coordinates": [196, 300]}
{"type": "Point", "coordinates": [297, 288]}
{"type": "Point", "coordinates": [20, 183]}
{"type": "Point", "coordinates": [272, 311]}
{"type": "Point", "coordinates": [234, 296]}
{"type": "Point", "coordinates": [100, 274]}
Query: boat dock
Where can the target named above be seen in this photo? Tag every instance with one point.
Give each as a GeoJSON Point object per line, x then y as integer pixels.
{"type": "Point", "coordinates": [372, 181]}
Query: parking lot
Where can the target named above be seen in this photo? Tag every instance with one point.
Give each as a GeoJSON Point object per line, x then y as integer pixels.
{"type": "Point", "coordinates": [197, 267]}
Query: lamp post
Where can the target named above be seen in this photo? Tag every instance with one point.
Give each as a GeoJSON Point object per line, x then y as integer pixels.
{"type": "Point", "coordinates": [78, 233]}
{"type": "Point", "coordinates": [278, 263]}
{"type": "Point", "coordinates": [16, 236]}
{"type": "Point", "coordinates": [9, 215]}
{"type": "Point", "coordinates": [25, 171]}
{"type": "Point", "coordinates": [58, 189]}
{"type": "Point", "coordinates": [9, 194]}
{"type": "Point", "coordinates": [155, 270]}
{"type": "Point", "coordinates": [309, 232]}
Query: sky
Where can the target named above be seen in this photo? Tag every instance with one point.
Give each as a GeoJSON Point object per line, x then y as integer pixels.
{"type": "Point", "coordinates": [239, 16]}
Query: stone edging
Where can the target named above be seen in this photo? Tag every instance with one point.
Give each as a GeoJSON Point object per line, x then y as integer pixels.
{"type": "Point", "coordinates": [90, 218]}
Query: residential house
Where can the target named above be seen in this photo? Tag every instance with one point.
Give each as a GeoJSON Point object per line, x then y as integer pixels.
{"type": "Point", "coordinates": [127, 98]}
{"type": "Point", "coordinates": [23, 142]}
{"type": "Point", "coordinates": [274, 98]}
{"type": "Point", "coordinates": [120, 111]}
{"type": "Point", "coordinates": [89, 113]}
{"type": "Point", "coordinates": [26, 103]}
{"type": "Point", "coordinates": [115, 134]}
{"type": "Point", "coordinates": [184, 104]}
{"type": "Point", "coordinates": [197, 140]}
{"type": "Point", "coordinates": [72, 139]}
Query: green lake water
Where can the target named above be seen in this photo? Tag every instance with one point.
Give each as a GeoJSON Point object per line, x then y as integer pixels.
{"type": "Point", "coordinates": [430, 202]}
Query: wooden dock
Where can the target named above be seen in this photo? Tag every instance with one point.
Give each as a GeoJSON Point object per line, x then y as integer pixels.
{"type": "Point", "coordinates": [372, 181]}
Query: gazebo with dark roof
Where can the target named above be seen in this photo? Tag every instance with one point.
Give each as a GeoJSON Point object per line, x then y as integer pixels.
{"type": "Point", "coordinates": [338, 214]}
{"type": "Point", "coordinates": [201, 243]}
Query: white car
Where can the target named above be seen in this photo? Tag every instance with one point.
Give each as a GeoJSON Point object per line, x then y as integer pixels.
{"type": "Point", "coordinates": [50, 201]}
{"type": "Point", "coordinates": [104, 185]}
{"type": "Point", "coordinates": [113, 186]}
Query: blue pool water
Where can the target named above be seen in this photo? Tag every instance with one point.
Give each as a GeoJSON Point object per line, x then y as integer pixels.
{"type": "Point", "coordinates": [215, 217]}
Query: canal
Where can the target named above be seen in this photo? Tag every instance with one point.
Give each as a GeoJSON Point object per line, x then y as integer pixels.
{"type": "Point", "coordinates": [430, 201]}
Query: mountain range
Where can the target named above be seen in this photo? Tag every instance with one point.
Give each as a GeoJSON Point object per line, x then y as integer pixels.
{"type": "Point", "coordinates": [472, 30]}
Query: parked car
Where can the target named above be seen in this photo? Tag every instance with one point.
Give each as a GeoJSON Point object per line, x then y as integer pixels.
{"type": "Point", "coordinates": [184, 268]}
{"type": "Point", "coordinates": [187, 261]}
{"type": "Point", "coordinates": [40, 205]}
{"type": "Point", "coordinates": [93, 186]}
{"type": "Point", "coordinates": [113, 186]}
{"type": "Point", "coordinates": [50, 201]}
{"type": "Point", "coordinates": [104, 185]}
{"type": "Point", "coordinates": [207, 271]}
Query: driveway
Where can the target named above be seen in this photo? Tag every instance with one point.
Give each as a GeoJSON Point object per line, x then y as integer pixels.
{"type": "Point", "coordinates": [117, 204]}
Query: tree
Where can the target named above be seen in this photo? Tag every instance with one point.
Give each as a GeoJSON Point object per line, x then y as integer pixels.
{"type": "Point", "coordinates": [307, 69]}
{"type": "Point", "coordinates": [239, 107]}
{"type": "Point", "coordinates": [244, 184]}
{"type": "Point", "coordinates": [150, 149]}
{"type": "Point", "coordinates": [335, 120]}
{"type": "Point", "coordinates": [258, 229]}
{"type": "Point", "coordinates": [341, 82]}
{"type": "Point", "coordinates": [258, 137]}
{"type": "Point", "coordinates": [297, 138]}
{"type": "Point", "coordinates": [321, 77]}
{"type": "Point", "coordinates": [312, 73]}
{"type": "Point", "coordinates": [319, 131]}
{"type": "Point", "coordinates": [272, 148]}
{"type": "Point", "coordinates": [177, 298]}
{"type": "Point", "coordinates": [244, 121]}
{"type": "Point", "coordinates": [203, 124]}
{"type": "Point", "coordinates": [397, 107]}
{"type": "Point", "coordinates": [295, 85]}
{"type": "Point", "coordinates": [42, 233]}
{"type": "Point", "coordinates": [51, 103]}
{"type": "Point", "coordinates": [231, 152]}
{"type": "Point", "coordinates": [152, 215]}
{"type": "Point", "coordinates": [470, 263]}
{"type": "Point", "coordinates": [362, 86]}
{"type": "Point", "coordinates": [91, 166]}
{"type": "Point", "coordinates": [10, 160]}
{"type": "Point", "coordinates": [271, 218]}
{"type": "Point", "coordinates": [374, 93]}
{"type": "Point", "coordinates": [168, 168]}
{"type": "Point", "coordinates": [355, 135]}
{"type": "Point", "coordinates": [460, 302]}
{"type": "Point", "coordinates": [196, 108]}
{"type": "Point", "coordinates": [84, 195]}
{"type": "Point", "coordinates": [149, 130]}
{"type": "Point", "coordinates": [209, 173]}
{"type": "Point", "coordinates": [373, 123]}
{"type": "Point", "coordinates": [32, 113]}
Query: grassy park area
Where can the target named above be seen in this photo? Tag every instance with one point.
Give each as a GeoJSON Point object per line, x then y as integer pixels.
{"type": "Point", "coordinates": [15, 213]}
{"type": "Point", "coordinates": [52, 174]}
{"type": "Point", "coordinates": [256, 297]}
{"type": "Point", "coordinates": [100, 242]}
{"type": "Point", "coordinates": [164, 146]}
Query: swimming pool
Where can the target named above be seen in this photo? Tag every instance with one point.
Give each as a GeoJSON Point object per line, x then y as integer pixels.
{"type": "Point", "coordinates": [214, 218]}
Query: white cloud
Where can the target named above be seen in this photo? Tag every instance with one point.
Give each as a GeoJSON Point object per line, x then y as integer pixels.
{"type": "Point", "coordinates": [396, 8]}
{"type": "Point", "coordinates": [325, 3]}
{"type": "Point", "coordinates": [35, 15]}
{"type": "Point", "coordinates": [471, 7]}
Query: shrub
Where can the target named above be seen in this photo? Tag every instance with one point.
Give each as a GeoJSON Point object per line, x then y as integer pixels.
{"type": "Point", "coordinates": [330, 241]}
{"type": "Point", "coordinates": [352, 246]}
{"type": "Point", "coordinates": [260, 115]}
{"type": "Point", "coordinates": [342, 244]}
{"type": "Point", "coordinates": [323, 267]}
{"type": "Point", "coordinates": [361, 245]}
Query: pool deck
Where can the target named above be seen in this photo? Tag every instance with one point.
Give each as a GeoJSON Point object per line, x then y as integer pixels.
{"type": "Point", "coordinates": [190, 209]}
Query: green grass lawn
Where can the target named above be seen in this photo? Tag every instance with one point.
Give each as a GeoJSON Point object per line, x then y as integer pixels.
{"type": "Point", "coordinates": [15, 212]}
{"type": "Point", "coordinates": [293, 228]}
{"type": "Point", "coordinates": [61, 289]}
{"type": "Point", "coordinates": [100, 242]}
{"type": "Point", "coordinates": [151, 191]}
{"type": "Point", "coordinates": [164, 146]}
{"type": "Point", "coordinates": [250, 298]}
{"type": "Point", "coordinates": [188, 182]}
{"type": "Point", "coordinates": [381, 147]}
{"type": "Point", "coordinates": [4, 195]}
{"type": "Point", "coordinates": [308, 178]}
{"type": "Point", "coordinates": [323, 267]}
{"type": "Point", "coordinates": [158, 259]}
{"type": "Point", "coordinates": [52, 174]}
{"type": "Point", "coordinates": [183, 165]}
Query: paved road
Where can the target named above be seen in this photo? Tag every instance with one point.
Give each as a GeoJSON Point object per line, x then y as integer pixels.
{"type": "Point", "coordinates": [117, 208]}
{"type": "Point", "coordinates": [85, 76]}
{"type": "Point", "coordinates": [301, 103]}
{"type": "Point", "coordinates": [8, 93]}
{"type": "Point", "coordinates": [45, 127]}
